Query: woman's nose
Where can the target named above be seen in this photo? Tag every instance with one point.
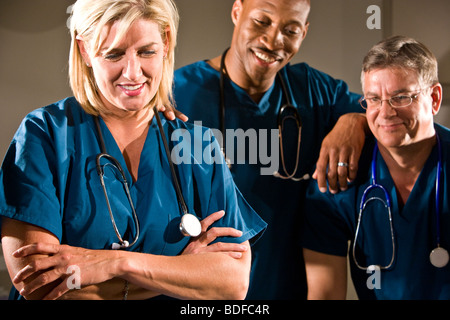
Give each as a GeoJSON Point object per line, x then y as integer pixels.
{"type": "Point", "coordinates": [132, 69]}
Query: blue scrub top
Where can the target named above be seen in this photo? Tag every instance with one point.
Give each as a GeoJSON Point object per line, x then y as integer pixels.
{"type": "Point", "coordinates": [49, 179]}
{"type": "Point", "coordinates": [331, 222]}
{"type": "Point", "coordinates": [277, 265]}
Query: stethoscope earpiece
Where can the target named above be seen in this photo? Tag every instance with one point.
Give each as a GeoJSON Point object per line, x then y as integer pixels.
{"type": "Point", "coordinates": [305, 177]}
{"type": "Point", "coordinates": [118, 246]}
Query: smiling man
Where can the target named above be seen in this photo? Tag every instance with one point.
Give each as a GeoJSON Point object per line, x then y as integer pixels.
{"type": "Point", "coordinates": [247, 88]}
{"type": "Point", "coordinates": [267, 35]}
{"type": "Point", "coordinates": [397, 213]}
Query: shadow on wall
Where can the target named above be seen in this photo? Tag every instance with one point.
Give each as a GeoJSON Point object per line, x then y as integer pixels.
{"type": "Point", "coordinates": [443, 116]}
{"type": "Point", "coordinates": [37, 20]}
{"type": "Point", "coordinates": [444, 70]}
{"type": "Point", "coordinates": [5, 282]}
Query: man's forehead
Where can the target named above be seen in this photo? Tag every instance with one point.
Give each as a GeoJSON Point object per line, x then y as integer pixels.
{"type": "Point", "coordinates": [293, 8]}
{"type": "Point", "coordinates": [275, 4]}
{"type": "Point", "coordinates": [395, 80]}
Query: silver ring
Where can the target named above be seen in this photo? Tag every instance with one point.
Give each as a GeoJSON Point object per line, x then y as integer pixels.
{"type": "Point", "coordinates": [342, 164]}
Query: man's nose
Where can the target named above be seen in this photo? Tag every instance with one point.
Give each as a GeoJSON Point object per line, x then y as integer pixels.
{"type": "Point", "coordinates": [273, 38]}
{"type": "Point", "coordinates": [385, 108]}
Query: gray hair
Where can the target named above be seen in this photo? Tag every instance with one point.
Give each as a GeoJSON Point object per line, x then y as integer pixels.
{"type": "Point", "coordinates": [404, 53]}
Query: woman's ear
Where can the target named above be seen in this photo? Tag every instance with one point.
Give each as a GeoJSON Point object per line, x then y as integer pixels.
{"type": "Point", "coordinates": [167, 42]}
{"type": "Point", "coordinates": [83, 50]}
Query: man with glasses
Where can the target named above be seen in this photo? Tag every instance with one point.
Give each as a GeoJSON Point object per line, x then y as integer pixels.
{"type": "Point", "coordinates": [396, 213]}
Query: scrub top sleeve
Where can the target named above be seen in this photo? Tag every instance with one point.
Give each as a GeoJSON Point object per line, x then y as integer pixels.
{"type": "Point", "coordinates": [344, 100]}
{"type": "Point", "coordinates": [347, 101]}
{"type": "Point", "coordinates": [323, 230]}
{"type": "Point", "coordinates": [226, 196]}
{"type": "Point", "coordinates": [337, 93]}
{"type": "Point", "coordinates": [27, 184]}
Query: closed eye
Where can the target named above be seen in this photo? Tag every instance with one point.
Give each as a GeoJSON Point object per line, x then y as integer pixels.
{"type": "Point", "coordinates": [262, 22]}
{"type": "Point", "coordinates": [400, 99]}
{"type": "Point", "coordinates": [113, 55]}
{"type": "Point", "coordinates": [373, 99]}
{"type": "Point", "coordinates": [148, 53]}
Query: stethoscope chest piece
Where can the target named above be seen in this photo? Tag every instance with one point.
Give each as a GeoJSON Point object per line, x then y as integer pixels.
{"type": "Point", "coordinates": [439, 257]}
{"type": "Point", "coordinates": [190, 226]}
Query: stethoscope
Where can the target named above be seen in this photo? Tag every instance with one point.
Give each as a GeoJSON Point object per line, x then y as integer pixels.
{"type": "Point", "coordinates": [439, 256]}
{"type": "Point", "coordinates": [287, 111]}
{"type": "Point", "coordinates": [189, 226]}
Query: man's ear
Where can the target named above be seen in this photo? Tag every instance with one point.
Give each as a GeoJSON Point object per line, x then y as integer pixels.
{"type": "Point", "coordinates": [236, 11]}
{"type": "Point", "coordinates": [436, 95]}
{"type": "Point", "coordinates": [305, 31]}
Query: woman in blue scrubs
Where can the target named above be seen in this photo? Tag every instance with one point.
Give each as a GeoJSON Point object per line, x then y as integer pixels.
{"type": "Point", "coordinates": [399, 253]}
{"type": "Point", "coordinates": [55, 212]}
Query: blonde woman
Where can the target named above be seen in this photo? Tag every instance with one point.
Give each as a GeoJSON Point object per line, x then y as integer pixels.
{"type": "Point", "coordinates": [60, 224]}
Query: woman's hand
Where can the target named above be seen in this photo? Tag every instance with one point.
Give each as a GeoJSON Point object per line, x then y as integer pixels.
{"type": "Point", "coordinates": [65, 265]}
{"type": "Point", "coordinates": [202, 242]}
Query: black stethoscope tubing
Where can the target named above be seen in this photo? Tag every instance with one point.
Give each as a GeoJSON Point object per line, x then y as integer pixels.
{"type": "Point", "coordinates": [285, 107]}
{"type": "Point", "coordinates": [172, 169]}
{"type": "Point", "coordinates": [122, 243]}
{"type": "Point", "coordinates": [190, 225]}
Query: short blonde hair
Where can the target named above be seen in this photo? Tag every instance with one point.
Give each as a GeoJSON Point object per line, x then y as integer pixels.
{"type": "Point", "coordinates": [88, 19]}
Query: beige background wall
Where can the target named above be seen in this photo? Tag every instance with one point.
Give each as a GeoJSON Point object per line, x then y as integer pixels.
{"type": "Point", "coordinates": [34, 47]}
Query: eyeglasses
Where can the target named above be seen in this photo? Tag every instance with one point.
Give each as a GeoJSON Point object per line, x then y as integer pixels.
{"type": "Point", "coordinates": [400, 101]}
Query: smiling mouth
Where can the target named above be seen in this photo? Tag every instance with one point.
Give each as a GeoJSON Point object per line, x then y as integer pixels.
{"type": "Point", "coordinates": [264, 57]}
{"type": "Point", "coordinates": [390, 126]}
{"type": "Point", "coordinates": [132, 88]}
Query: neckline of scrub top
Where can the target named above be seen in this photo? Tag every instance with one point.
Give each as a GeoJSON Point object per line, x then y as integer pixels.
{"type": "Point", "coordinates": [426, 177]}
{"type": "Point", "coordinates": [147, 156]}
{"type": "Point", "coordinates": [259, 108]}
